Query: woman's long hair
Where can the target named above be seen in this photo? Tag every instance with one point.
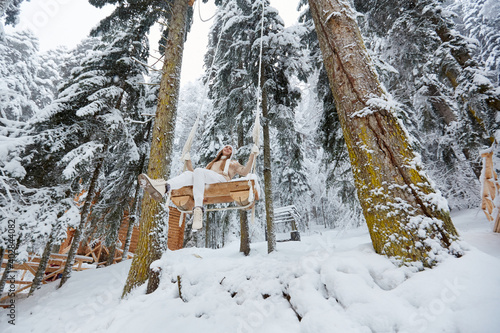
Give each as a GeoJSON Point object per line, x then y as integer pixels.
{"type": "Point", "coordinates": [217, 158]}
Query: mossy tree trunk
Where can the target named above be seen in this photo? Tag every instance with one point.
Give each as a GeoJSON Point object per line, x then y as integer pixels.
{"type": "Point", "coordinates": [151, 240]}
{"type": "Point", "coordinates": [406, 218]}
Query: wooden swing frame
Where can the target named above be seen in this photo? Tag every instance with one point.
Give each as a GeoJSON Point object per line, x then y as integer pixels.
{"type": "Point", "coordinates": [238, 191]}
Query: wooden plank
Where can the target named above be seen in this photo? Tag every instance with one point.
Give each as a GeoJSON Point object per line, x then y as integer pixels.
{"type": "Point", "coordinates": [55, 267]}
{"type": "Point", "coordinates": [214, 190]}
{"type": "Point", "coordinates": [496, 228]}
{"type": "Point", "coordinates": [15, 293]}
{"type": "Point", "coordinates": [175, 233]}
{"type": "Point", "coordinates": [22, 282]}
{"type": "Point", "coordinates": [214, 193]}
{"type": "Point", "coordinates": [241, 197]}
{"type": "Point", "coordinates": [65, 256]}
{"type": "Point", "coordinates": [185, 202]}
{"type": "Point", "coordinates": [216, 200]}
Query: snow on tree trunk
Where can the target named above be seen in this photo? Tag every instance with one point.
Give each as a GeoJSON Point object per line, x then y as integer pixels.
{"type": "Point", "coordinates": [406, 217]}
{"type": "Point", "coordinates": [68, 267]}
{"type": "Point", "coordinates": [44, 260]}
{"type": "Point", "coordinates": [112, 246]}
{"type": "Point", "coordinates": [149, 247]}
{"type": "Point", "coordinates": [244, 230]}
{"type": "Point", "coordinates": [268, 183]}
{"type": "Point", "coordinates": [132, 218]}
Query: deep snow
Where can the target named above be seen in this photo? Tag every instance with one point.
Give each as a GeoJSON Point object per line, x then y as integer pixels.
{"type": "Point", "coordinates": [333, 279]}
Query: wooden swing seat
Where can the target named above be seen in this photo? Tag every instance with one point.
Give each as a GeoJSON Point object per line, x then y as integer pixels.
{"type": "Point", "coordinates": [234, 191]}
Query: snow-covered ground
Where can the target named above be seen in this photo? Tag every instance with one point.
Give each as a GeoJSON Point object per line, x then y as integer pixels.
{"type": "Point", "coordinates": [329, 282]}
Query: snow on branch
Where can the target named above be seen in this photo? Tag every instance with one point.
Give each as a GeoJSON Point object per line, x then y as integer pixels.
{"type": "Point", "coordinates": [77, 156]}
{"type": "Point", "coordinates": [374, 104]}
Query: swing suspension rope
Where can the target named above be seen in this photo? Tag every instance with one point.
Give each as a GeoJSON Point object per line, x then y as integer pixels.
{"type": "Point", "coordinates": [189, 141]}
{"type": "Point", "coordinates": [198, 3]}
{"type": "Point", "coordinates": [256, 129]}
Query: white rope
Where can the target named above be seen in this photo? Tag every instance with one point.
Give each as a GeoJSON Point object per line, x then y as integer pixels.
{"type": "Point", "coordinates": [199, 13]}
{"type": "Point", "coordinates": [251, 198]}
{"type": "Point", "coordinates": [189, 140]}
{"type": "Point", "coordinates": [260, 52]}
{"type": "Point", "coordinates": [218, 209]}
{"type": "Point", "coordinates": [256, 127]}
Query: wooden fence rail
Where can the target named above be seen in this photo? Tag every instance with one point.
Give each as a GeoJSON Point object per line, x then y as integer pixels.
{"type": "Point", "coordinates": [54, 267]}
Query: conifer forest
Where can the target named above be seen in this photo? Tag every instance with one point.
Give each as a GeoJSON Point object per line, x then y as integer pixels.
{"type": "Point", "coordinates": [373, 194]}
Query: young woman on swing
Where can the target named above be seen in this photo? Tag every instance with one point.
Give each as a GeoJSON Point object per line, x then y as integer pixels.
{"type": "Point", "coordinates": [221, 169]}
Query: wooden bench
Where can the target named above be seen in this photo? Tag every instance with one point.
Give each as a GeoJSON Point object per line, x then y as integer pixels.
{"type": "Point", "coordinates": [288, 215]}
{"type": "Point", "coordinates": [238, 191]}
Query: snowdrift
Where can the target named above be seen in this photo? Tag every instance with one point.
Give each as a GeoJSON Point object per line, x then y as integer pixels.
{"type": "Point", "coordinates": [331, 281]}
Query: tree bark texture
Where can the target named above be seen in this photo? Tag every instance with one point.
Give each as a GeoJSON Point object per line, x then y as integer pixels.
{"type": "Point", "coordinates": [68, 267]}
{"type": "Point", "coordinates": [268, 189]}
{"type": "Point", "coordinates": [406, 218]}
{"type": "Point", "coordinates": [244, 231]}
{"type": "Point", "coordinates": [135, 203]}
{"type": "Point", "coordinates": [112, 247]}
{"type": "Point", "coordinates": [150, 247]}
{"type": "Point", "coordinates": [131, 223]}
{"type": "Point", "coordinates": [2, 251]}
{"type": "Point", "coordinates": [42, 266]}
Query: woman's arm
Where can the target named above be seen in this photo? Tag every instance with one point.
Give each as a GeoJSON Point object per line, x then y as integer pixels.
{"type": "Point", "coordinates": [245, 170]}
{"type": "Point", "coordinates": [187, 161]}
{"type": "Point", "coordinates": [189, 165]}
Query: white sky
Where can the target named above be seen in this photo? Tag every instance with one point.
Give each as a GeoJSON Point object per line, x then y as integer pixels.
{"type": "Point", "coordinates": [67, 22]}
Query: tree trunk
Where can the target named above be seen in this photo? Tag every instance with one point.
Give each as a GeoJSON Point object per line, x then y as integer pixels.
{"type": "Point", "coordinates": [112, 248]}
{"type": "Point", "coordinates": [42, 266]}
{"type": "Point", "coordinates": [83, 219]}
{"type": "Point", "coordinates": [244, 232]}
{"type": "Point", "coordinates": [150, 245]}
{"type": "Point", "coordinates": [134, 205]}
{"type": "Point", "coordinates": [87, 234]}
{"type": "Point", "coordinates": [406, 218]}
{"type": "Point", "coordinates": [268, 190]}
{"type": "Point", "coordinates": [131, 221]}
{"type": "Point", "coordinates": [208, 226]}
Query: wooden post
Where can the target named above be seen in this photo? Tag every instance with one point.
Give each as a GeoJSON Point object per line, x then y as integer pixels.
{"type": "Point", "coordinates": [490, 190]}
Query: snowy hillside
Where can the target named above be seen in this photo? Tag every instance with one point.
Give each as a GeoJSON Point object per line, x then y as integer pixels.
{"type": "Point", "coordinates": [331, 281]}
